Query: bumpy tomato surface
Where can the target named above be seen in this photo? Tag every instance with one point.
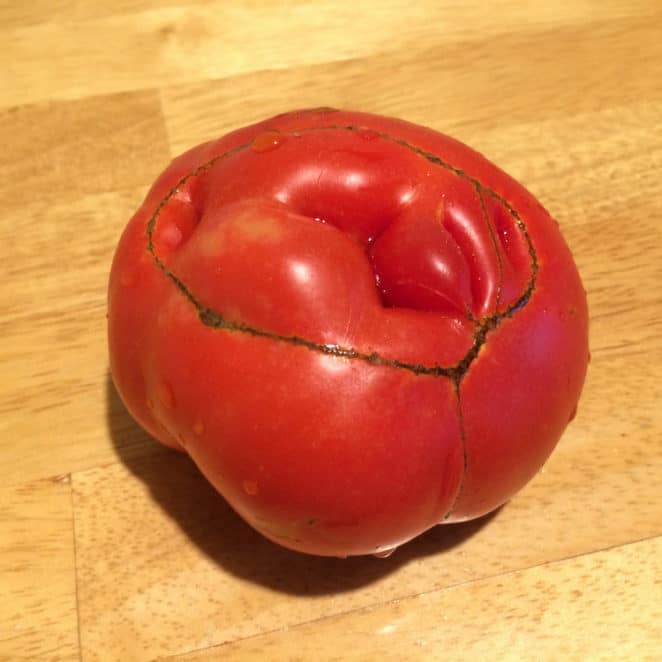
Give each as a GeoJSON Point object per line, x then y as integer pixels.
{"type": "Point", "coordinates": [357, 327]}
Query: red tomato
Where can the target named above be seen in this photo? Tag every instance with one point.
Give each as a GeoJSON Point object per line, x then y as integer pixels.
{"type": "Point", "coordinates": [357, 327]}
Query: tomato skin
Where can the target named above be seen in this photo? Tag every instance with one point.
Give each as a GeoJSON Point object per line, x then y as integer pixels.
{"type": "Point", "coordinates": [357, 327]}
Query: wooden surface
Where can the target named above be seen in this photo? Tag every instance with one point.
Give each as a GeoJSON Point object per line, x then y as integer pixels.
{"type": "Point", "coordinates": [111, 547]}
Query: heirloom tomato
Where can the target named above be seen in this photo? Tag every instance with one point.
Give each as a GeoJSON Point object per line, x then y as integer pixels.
{"type": "Point", "coordinates": [357, 327]}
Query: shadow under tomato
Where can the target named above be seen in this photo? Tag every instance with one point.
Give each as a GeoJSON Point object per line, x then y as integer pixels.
{"type": "Point", "coordinates": [178, 488]}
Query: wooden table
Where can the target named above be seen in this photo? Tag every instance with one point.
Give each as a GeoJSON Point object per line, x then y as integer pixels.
{"type": "Point", "coordinates": [111, 547]}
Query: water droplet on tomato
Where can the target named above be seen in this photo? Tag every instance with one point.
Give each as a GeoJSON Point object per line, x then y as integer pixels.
{"type": "Point", "coordinates": [385, 553]}
{"type": "Point", "coordinates": [182, 194]}
{"type": "Point", "coordinates": [367, 134]}
{"type": "Point", "coordinates": [166, 395]}
{"type": "Point", "coordinates": [250, 487]}
{"type": "Point", "coordinates": [267, 141]}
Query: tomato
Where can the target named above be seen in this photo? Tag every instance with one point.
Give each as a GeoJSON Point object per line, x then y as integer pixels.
{"type": "Point", "coordinates": [357, 327]}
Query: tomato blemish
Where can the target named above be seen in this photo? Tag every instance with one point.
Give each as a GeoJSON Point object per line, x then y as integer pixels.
{"type": "Point", "coordinates": [166, 395]}
{"type": "Point", "coordinates": [250, 487]}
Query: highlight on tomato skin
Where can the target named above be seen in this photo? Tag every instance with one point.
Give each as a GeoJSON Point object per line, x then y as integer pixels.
{"type": "Point", "coordinates": [357, 327]}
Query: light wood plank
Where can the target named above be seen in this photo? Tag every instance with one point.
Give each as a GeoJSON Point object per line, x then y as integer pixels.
{"type": "Point", "coordinates": [103, 54]}
{"type": "Point", "coordinates": [58, 151]}
{"type": "Point", "coordinates": [15, 14]}
{"type": "Point", "coordinates": [37, 573]}
{"type": "Point", "coordinates": [471, 87]}
{"type": "Point", "coordinates": [71, 177]}
{"type": "Point", "coordinates": [604, 606]}
{"type": "Point", "coordinates": [57, 409]}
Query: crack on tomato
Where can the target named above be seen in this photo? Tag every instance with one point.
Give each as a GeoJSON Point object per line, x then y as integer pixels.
{"type": "Point", "coordinates": [465, 455]}
{"type": "Point", "coordinates": [486, 218]}
{"type": "Point", "coordinates": [483, 327]}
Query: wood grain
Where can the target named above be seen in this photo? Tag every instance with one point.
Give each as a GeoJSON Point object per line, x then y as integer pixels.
{"type": "Point", "coordinates": [468, 85]}
{"type": "Point", "coordinates": [70, 177]}
{"type": "Point", "coordinates": [546, 613]}
{"type": "Point", "coordinates": [196, 41]}
{"type": "Point", "coordinates": [38, 609]}
{"type": "Point", "coordinates": [113, 547]}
